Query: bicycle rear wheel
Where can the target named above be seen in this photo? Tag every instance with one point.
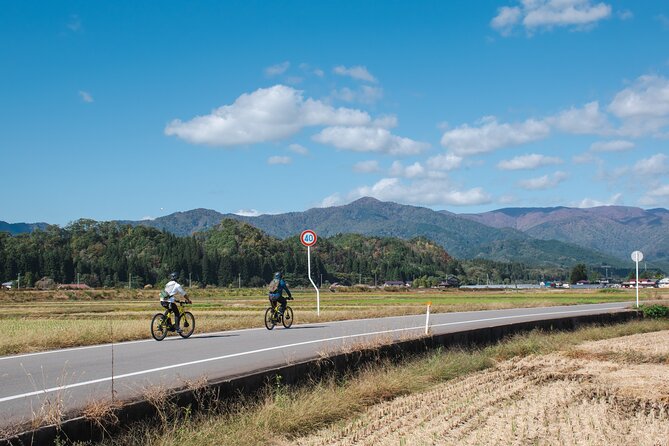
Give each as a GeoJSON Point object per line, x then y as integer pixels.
{"type": "Point", "coordinates": [269, 318]}
{"type": "Point", "coordinates": [187, 324]}
{"type": "Point", "coordinates": [287, 318]}
{"type": "Point", "coordinates": [159, 327]}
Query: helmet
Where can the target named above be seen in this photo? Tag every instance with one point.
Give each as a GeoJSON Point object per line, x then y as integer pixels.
{"type": "Point", "coordinates": [278, 275]}
{"type": "Point", "coordinates": [173, 276]}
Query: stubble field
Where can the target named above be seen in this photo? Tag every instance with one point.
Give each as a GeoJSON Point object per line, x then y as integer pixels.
{"type": "Point", "coordinates": [598, 393]}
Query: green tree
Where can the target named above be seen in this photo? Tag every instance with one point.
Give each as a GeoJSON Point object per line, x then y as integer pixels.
{"type": "Point", "coordinates": [579, 272]}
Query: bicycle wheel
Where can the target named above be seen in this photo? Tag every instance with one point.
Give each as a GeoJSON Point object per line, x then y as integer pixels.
{"type": "Point", "coordinates": [158, 327]}
{"type": "Point", "coordinates": [287, 318]}
{"type": "Point", "coordinates": [269, 318]}
{"type": "Point", "coordinates": [187, 324]}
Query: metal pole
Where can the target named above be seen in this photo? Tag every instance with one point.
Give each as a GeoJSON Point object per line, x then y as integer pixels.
{"type": "Point", "coordinates": [637, 283]}
{"type": "Point", "coordinates": [318, 293]}
{"type": "Point", "coordinates": [427, 318]}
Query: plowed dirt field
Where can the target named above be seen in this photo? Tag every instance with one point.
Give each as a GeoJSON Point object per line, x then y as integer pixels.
{"type": "Point", "coordinates": [613, 392]}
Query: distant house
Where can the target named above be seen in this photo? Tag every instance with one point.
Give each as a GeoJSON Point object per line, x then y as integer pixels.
{"type": "Point", "coordinates": [73, 286]}
{"type": "Point", "coordinates": [451, 281]}
{"type": "Point", "coordinates": [388, 283]}
{"type": "Point", "coordinates": [7, 285]}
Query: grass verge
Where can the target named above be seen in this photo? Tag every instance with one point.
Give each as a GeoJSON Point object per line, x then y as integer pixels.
{"type": "Point", "coordinates": [282, 413]}
{"type": "Point", "coordinates": [42, 320]}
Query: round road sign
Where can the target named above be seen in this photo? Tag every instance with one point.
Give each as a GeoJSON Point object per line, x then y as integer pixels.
{"type": "Point", "coordinates": [308, 238]}
{"type": "Point", "coordinates": [637, 256]}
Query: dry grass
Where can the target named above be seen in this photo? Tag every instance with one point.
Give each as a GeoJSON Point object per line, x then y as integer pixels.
{"type": "Point", "coordinates": [42, 320]}
{"type": "Point", "coordinates": [504, 394]}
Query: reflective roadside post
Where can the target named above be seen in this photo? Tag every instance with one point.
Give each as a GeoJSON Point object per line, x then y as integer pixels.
{"type": "Point", "coordinates": [308, 239]}
{"type": "Point", "coordinates": [637, 256]}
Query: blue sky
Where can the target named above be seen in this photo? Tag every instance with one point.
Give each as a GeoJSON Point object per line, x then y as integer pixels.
{"type": "Point", "coordinates": [132, 110]}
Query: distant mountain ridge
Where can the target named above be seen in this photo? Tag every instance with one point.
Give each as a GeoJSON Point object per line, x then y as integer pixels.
{"type": "Point", "coordinates": [21, 228]}
{"type": "Point", "coordinates": [556, 236]}
{"type": "Point", "coordinates": [615, 230]}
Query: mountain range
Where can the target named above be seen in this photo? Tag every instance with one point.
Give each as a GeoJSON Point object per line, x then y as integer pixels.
{"type": "Point", "coordinates": [558, 236]}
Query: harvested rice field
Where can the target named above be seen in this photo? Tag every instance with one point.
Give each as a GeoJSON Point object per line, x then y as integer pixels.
{"type": "Point", "coordinates": [606, 392]}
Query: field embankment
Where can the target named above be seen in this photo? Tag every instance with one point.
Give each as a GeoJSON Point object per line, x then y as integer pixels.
{"type": "Point", "coordinates": [42, 320]}
{"type": "Point", "coordinates": [591, 386]}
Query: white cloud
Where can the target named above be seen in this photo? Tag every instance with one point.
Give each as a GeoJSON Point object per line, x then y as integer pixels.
{"type": "Point", "coordinates": [247, 213]}
{"type": "Point", "coordinates": [366, 94]}
{"type": "Point", "coordinates": [278, 160]}
{"type": "Point", "coordinates": [611, 146]}
{"type": "Point", "coordinates": [299, 149]}
{"type": "Point", "coordinates": [368, 139]}
{"type": "Point", "coordinates": [586, 120]}
{"type": "Point", "coordinates": [615, 199]}
{"type": "Point", "coordinates": [490, 135]}
{"type": "Point", "coordinates": [657, 196]}
{"type": "Point", "coordinates": [584, 158]}
{"type": "Point", "coordinates": [277, 69]}
{"type": "Point", "coordinates": [506, 18]}
{"type": "Point", "coordinates": [414, 170]}
{"type": "Point", "coordinates": [366, 166]}
{"type": "Point", "coordinates": [85, 96]}
{"type": "Point", "coordinates": [331, 200]}
{"type": "Point", "coordinates": [657, 164]}
{"type": "Point", "coordinates": [424, 191]}
{"type": "Point", "coordinates": [531, 161]}
{"type": "Point", "coordinates": [74, 23]}
{"type": "Point", "coordinates": [446, 161]}
{"type": "Point", "coordinates": [267, 114]}
{"type": "Point", "coordinates": [647, 97]}
{"type": "Point", "coordinates": [543, 182]}
{"type": "Point", "coordinates": [357, 72]}
{"type": "Point", "coordinates": [386, 122]}
{"type": "Point", "coordinates": [546, 14]}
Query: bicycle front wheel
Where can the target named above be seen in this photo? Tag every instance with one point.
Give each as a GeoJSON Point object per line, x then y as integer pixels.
{"type": "Point", "coordinates": [269, 318]}
{"type": "Point", "coordinates": [159, 327]}
{"type": "Point", "coordinates": [287, 317]}
{"type": "Point", "coordinates": [187, 324]}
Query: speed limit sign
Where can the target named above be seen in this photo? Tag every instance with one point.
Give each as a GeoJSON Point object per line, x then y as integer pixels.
{"type": "Point", "coordinates": [308, 238]}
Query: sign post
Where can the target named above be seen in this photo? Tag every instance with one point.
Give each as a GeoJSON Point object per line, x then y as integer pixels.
{"type": "Point", "coordinates": [308, 239]}
{"type": "Point", "coordinates": [637, 256]}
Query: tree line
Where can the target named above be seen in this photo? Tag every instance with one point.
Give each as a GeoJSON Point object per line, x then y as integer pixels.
{"type": "Point", "coordinates": [108, 254]}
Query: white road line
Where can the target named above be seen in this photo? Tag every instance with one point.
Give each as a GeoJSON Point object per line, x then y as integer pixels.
{"type": "Point", "coordinates": [139, 341]}
{"type": "Point", "coordinates": [251, 352]}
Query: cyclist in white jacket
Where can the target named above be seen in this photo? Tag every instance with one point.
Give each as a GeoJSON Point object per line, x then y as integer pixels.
{"type": "Point", "coordinates": [172, 289]}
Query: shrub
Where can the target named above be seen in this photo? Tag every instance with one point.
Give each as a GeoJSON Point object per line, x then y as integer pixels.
{"type": "Point", "coordinates": [655, 311]}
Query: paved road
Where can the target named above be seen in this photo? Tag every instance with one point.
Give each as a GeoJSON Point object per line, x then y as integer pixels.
{"type": "Point", "coordinates": [75, 377]}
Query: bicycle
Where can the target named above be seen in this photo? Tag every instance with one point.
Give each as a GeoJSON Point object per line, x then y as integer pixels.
{"type": "Point", "coordinates": [161, 323]}
{"type": "Point", "coordinates": [274, 317]}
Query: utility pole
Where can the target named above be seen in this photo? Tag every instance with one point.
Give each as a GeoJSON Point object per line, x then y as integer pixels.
{"type": "Point", "coordinates": [190, 282]}
{"type": "Point", "coordinates": [239, 280]}
{"type": "Point", "coordinates": [18, 283]}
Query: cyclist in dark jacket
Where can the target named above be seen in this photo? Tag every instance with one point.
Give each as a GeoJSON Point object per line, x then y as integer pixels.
{"type": "Point", "coordinates": [276, 289]}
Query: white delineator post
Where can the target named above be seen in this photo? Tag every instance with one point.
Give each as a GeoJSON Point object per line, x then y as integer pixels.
{"type": "Point", "coordinates": [427, 318]}
{"type": "Point", "coordinates": [308, 239]}
{"type": "Point", "coordinates": [318, 292]}
{"type": "Point", "coordinates": [637, 256]}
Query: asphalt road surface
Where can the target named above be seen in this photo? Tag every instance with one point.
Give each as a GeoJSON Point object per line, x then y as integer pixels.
{"type": "Point", "coordinates": [72, 378]}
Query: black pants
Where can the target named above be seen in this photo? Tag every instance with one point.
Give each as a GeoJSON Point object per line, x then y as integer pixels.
{"type": "Point", "coordinates": [174, 308]}
{"type": "Point", "coordinates": [278, 299]}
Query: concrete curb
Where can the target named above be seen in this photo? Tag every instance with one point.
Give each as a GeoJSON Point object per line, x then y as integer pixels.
{"type": "Point", "coordinates": [84, 429]}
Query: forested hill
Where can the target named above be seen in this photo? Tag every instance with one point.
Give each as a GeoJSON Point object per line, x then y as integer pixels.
{"type": "Point", "coordinates": [232, 253]}
{"type": "Point", "coordinates": [462, 238]}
